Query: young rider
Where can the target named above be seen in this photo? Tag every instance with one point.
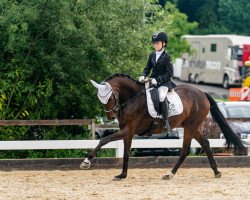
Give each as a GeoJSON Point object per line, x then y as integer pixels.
{"type": "Point", "coordinates": [160, 63]}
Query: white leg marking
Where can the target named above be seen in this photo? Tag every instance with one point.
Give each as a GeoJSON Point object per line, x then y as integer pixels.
{"type": "Point", "coordinates": [168, 176]}
{"type": "Point", "coordinates": [85, 164]}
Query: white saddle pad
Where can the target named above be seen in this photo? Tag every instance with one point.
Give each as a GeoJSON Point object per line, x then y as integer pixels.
{"type": "Point", "coordinates": [175, 106]}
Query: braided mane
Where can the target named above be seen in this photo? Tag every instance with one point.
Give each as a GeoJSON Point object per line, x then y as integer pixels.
{"type": "Point", "coordinates": [123, 75]}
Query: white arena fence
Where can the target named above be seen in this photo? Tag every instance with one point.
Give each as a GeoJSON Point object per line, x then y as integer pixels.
{"type": "Point", "coordinates": [117, 145]}
{"type": "Point", "coordinates": [90, 144]}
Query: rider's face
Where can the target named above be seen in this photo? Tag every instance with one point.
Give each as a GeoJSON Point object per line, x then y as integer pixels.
{"type": "Point", "coordinates": [158, 45]}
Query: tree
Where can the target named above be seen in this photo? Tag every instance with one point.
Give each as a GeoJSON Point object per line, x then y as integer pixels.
{"type": "Point", "coordinates": [50, 49]}
{"type": "Point", "coordinates": [234, 16]}
{"type": "Point", "coordinates": [47, 58]}
{"type": "Point", "coordinates": [217, 16]}
{"type": "Point", "coordinates": [202, 11]}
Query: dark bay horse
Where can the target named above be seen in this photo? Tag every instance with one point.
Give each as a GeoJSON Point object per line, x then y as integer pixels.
{"type": "Point", "coordinates": [126, 101]}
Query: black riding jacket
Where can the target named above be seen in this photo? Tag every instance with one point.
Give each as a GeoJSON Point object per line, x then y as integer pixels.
{"type": "Point", "coordinates": [162, 70]}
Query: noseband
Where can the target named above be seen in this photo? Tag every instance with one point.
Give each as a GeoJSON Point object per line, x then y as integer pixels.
{"type": "Point", "coordinates": [116, 106]}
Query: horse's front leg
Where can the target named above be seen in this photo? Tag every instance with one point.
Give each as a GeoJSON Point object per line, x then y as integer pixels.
{"type": "Point", "coordinates": [127, 144]}
{"type": "Point", "coordinates": [116, 136]}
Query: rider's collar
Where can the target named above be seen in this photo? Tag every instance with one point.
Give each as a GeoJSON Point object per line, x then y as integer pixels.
{"type": "Point", "coordinates": [160, 52]}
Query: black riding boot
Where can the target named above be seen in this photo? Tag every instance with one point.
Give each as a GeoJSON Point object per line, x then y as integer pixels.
{"type": "Point", "coordinates": [165, 109]}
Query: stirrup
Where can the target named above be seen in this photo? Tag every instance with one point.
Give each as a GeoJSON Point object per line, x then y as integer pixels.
{"type": "Point", "coordinates": [151, 129]}
{"type": "Point", "coordinates": [166, 126]}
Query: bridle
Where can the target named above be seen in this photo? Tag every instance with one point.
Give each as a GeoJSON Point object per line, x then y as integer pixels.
{"type": "Point", "coordinates": [117, 106]}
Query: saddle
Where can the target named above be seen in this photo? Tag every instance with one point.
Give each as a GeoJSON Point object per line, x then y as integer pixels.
{"type": "Point", "coordinates": [175, 103]}
{"type": "Point", "coordinates": [156, 100]}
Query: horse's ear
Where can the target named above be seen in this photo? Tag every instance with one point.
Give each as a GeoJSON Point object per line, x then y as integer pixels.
{"type": "Point", "coordinates": [103, 87]}
{"type": "Point", "coordinates": [95, 84]}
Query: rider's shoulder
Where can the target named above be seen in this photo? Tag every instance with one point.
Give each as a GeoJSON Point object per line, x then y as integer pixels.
{"type": "Point", "coordinates": [167, 53]}
{"type": "Point", "coordinates": [151, 54]}
{"type": "Point", "coordinates": [168, 56]}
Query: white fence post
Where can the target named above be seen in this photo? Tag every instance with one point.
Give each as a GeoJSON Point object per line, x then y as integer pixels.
{"type": "Point", "coordinates": [93, 129]}
{"type": "Point", "coordinates": [119, 149]}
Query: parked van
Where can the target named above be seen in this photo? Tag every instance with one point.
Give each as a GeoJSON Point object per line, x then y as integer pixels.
{"type": "Point", "coordinates": [213, 59]}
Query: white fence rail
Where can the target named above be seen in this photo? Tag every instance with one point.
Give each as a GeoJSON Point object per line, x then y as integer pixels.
{"type": "Point", "coordinates": [117, 145]}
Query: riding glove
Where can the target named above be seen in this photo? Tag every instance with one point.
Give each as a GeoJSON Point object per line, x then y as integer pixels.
{"type": "Point", "coordinates": [154, 82]}
{"type": "Point", "coordinates": [141, 79]}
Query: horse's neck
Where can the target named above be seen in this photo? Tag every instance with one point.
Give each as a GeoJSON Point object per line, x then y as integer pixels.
{"type": "Point", "coordinates": [127, 93]}
{"type": "Point", "coordinates": [127, 90]}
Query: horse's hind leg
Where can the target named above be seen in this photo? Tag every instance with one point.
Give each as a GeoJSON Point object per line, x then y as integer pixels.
{"type": "Point", "coordinates": [184, 153]}
{"type": "Point", "coordinates": [205, 145]}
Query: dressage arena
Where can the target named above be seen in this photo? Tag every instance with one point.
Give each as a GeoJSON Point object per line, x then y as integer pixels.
{"type": "Point", "coordinates": [141, 184]}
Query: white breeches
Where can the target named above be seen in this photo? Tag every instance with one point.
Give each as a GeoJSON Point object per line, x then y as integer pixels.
{"type": "Point", "coordinates": [162, 93]}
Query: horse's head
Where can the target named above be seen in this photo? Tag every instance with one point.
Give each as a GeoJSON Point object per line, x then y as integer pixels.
{"type": "Point", "coordinates": [116, 91]}
{"type": "Point", "coordinates": [109, 98]}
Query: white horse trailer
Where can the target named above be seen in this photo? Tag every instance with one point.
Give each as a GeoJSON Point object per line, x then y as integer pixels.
{"type": "Point", "coordinates": [214, 59]}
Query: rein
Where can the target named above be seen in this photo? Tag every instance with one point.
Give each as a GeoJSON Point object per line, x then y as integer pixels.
{"type": "Point", "coordinates": [118, 106]}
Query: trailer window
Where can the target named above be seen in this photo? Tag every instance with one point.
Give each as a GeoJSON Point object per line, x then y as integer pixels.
{"type": "Point", "coordinates": [237, 53]}
{"type": "Point", "coordinates": [213, 47]}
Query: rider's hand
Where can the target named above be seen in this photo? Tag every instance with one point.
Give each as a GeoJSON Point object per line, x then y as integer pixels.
{"type": "Point", "coordinates": [141, 79]}
{"type": "Point", "coordinates": [154, 82]}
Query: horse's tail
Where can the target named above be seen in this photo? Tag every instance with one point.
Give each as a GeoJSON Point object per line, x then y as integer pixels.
{"type": "Point", "coordinates": [231, 137]}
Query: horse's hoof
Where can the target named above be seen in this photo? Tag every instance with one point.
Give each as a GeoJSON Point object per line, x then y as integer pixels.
{"type": "Point", "coordinates": [85, 164]}
{"type": "Point", "coordinates": [168, 176]}
{"type": "Point", "coordinates": [115, 178]}
{"type": "Point", "coordinates": [119, 177]}
{"type": "Point", "coordinates": [217, 175]}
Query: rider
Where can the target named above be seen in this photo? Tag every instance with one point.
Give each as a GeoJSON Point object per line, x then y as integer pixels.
{"type": "Point", "coordinates": [162, 71]}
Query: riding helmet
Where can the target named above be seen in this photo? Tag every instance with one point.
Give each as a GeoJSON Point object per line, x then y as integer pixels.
{"type": "Point", "coordinates": [160, 36]}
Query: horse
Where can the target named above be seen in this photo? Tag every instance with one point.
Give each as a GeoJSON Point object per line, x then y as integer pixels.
{"type": "Point", "coordinates": [124, 99]}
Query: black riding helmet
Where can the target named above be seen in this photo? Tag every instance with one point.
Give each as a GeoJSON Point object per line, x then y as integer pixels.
{"type": "Point", "coordinates": [160, 36]}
